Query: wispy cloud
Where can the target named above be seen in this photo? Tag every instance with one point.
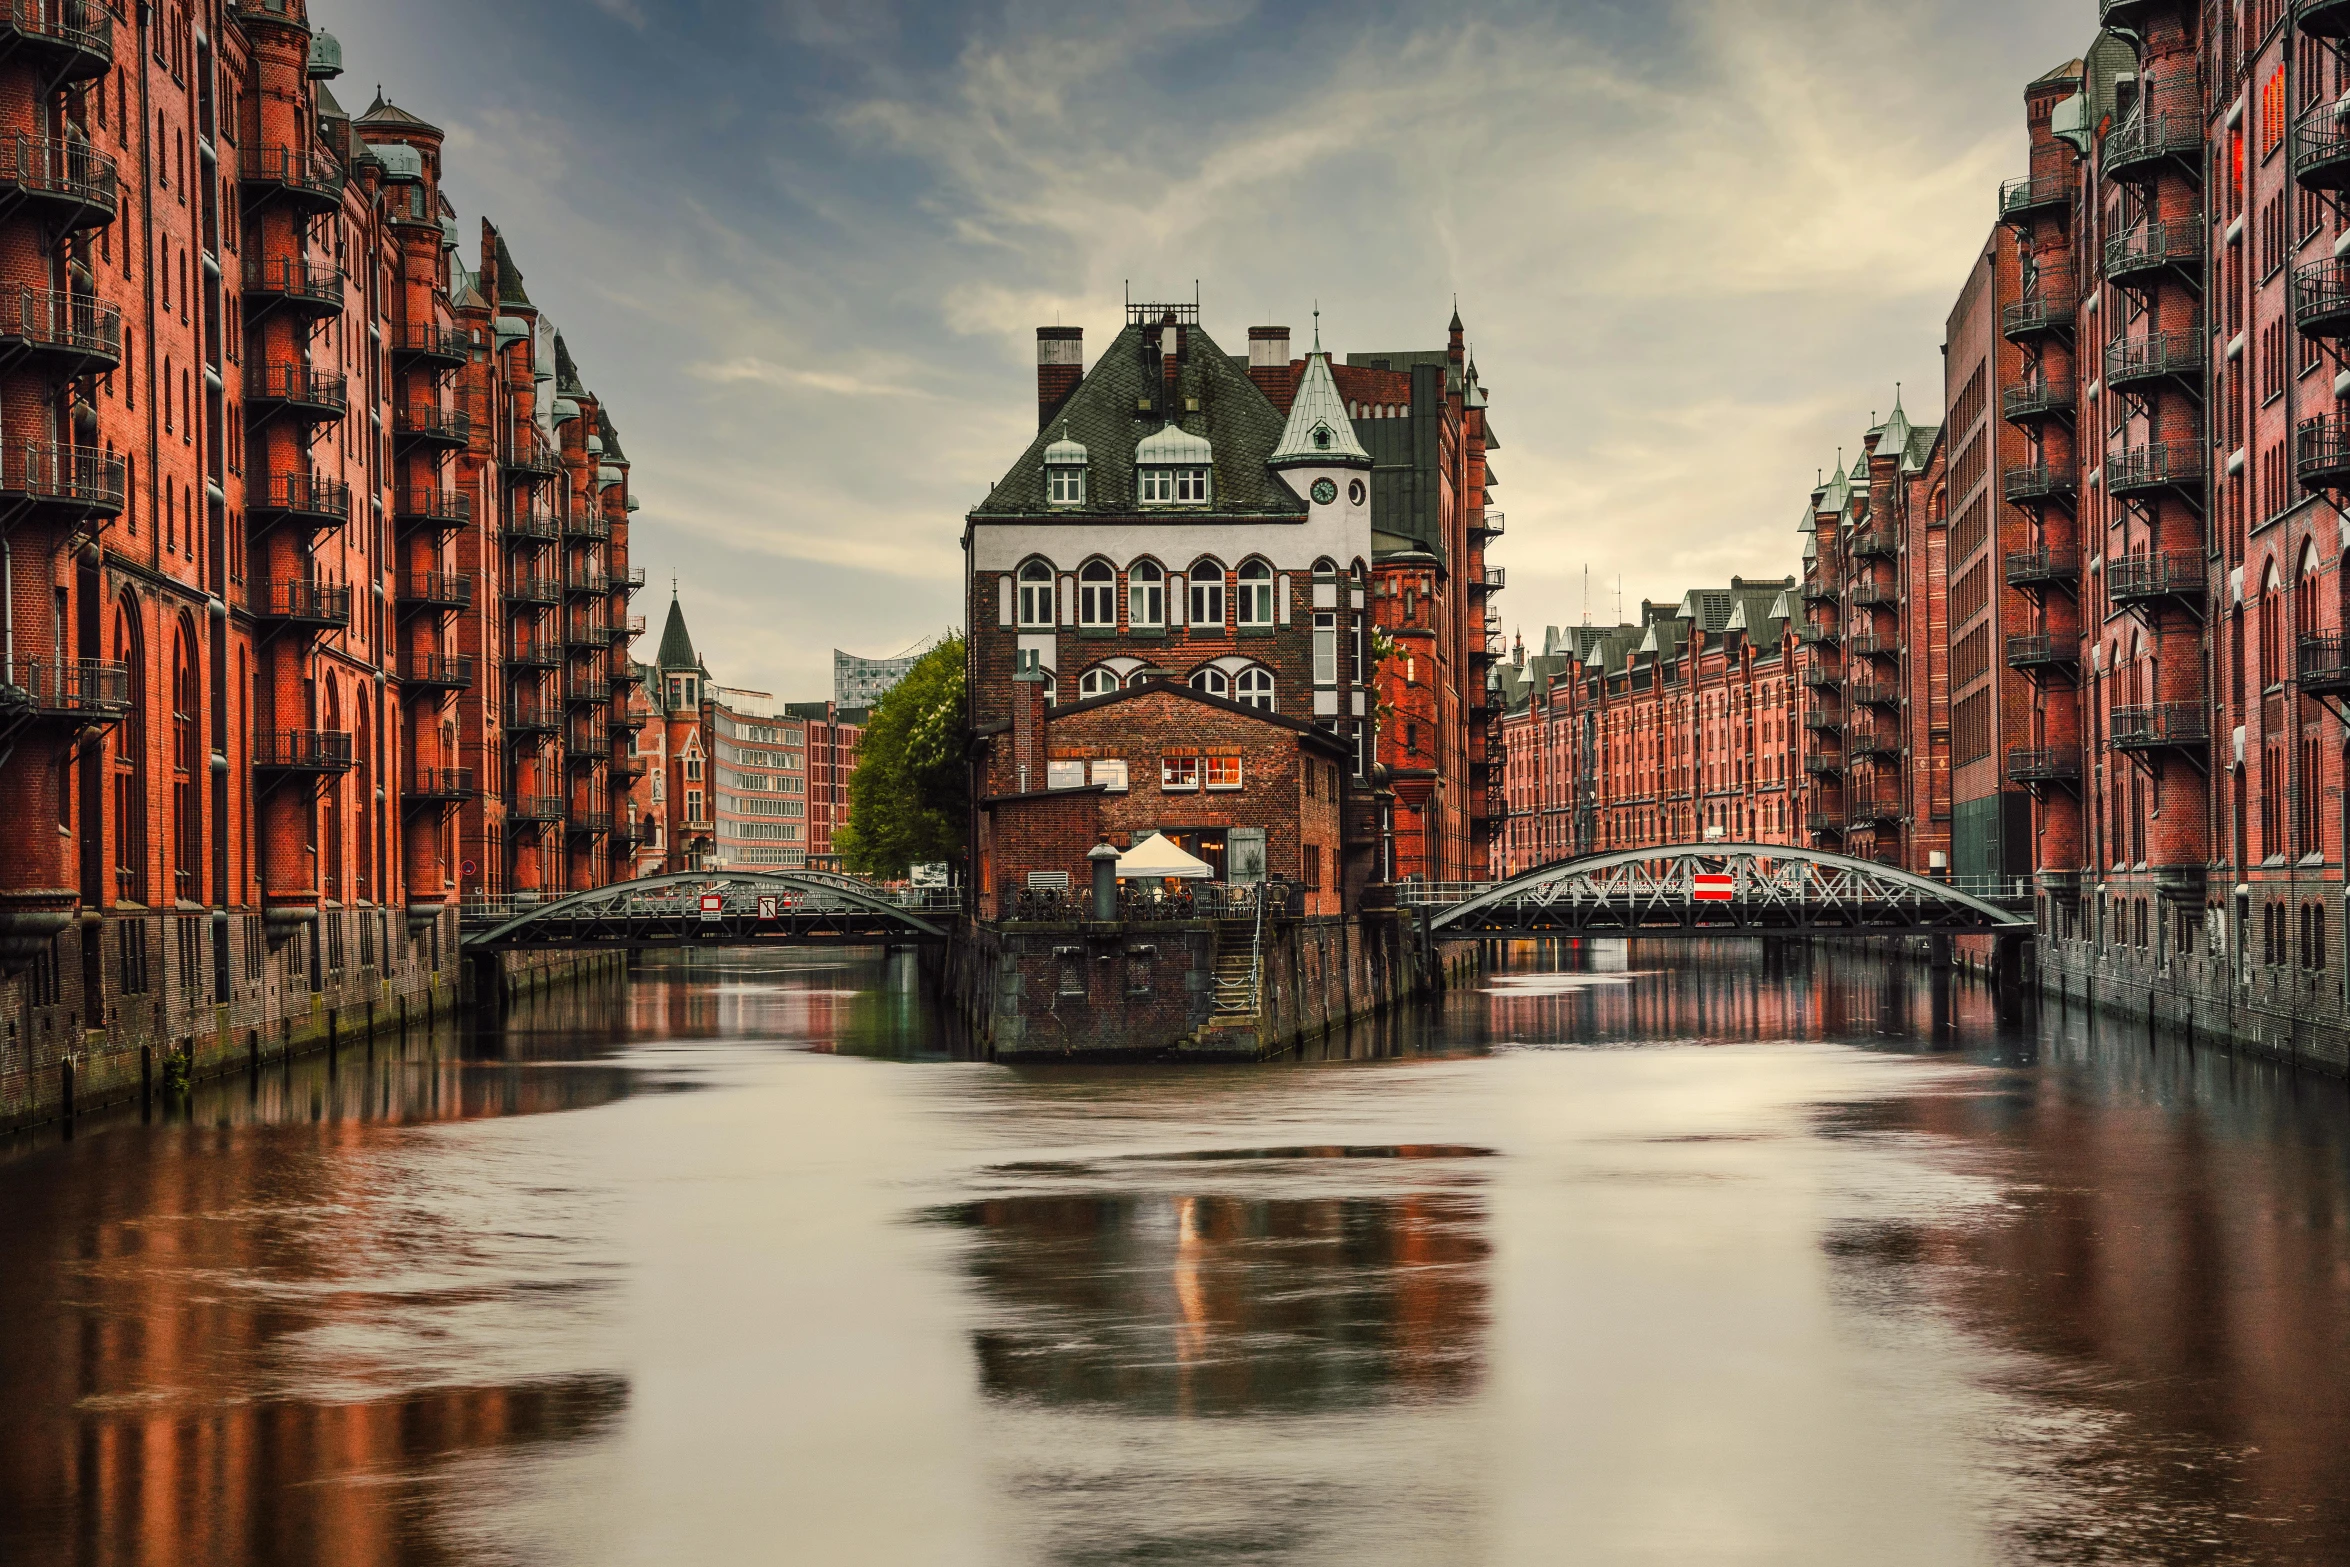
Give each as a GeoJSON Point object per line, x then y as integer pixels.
{"type": "Point", "coordinates": [752, 369]}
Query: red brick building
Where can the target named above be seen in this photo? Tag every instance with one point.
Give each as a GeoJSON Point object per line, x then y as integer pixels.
{"type": "Point", "coordinates": [271, 434]}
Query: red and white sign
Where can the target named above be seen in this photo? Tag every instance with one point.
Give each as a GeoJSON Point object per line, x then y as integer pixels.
{"type": "Point", "coordinates": [711, 904]}
{"type": "Point", "coordinates": [767, 905]}
{"type": "Point", "coordinates": [1711, 887]}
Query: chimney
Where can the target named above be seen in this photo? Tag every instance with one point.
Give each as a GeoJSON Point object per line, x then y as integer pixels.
{"type": "Point", "coordinates": [1268, 363]}
{"type": "Point", "coordinates": [1060, 365]}
{"type": "Point", "coordinates": [1173, 350]}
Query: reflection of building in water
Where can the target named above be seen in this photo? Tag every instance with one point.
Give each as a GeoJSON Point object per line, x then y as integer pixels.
{"type": "Point", "coordinates": [1219, 1304]}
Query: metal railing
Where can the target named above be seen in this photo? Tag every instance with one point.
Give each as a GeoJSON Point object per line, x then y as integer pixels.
{"type": "Point", "coordinates": [535, 527]}
{"type": "Point", "coordinates": [310, 174]}
{"type": "Point", "coordinates": [2153, 246]}
{"type": "Point", "coordinates": [2033, 192]}
{"type": "Point", "coordinates": [531, 718]}
{"type": "Point", "coordinates": [73, 686]}
{"type": "Point", "coordinates": [1873, 644]}
{"type": "Point", "coordinates": [68, 171]}
{"type": "Point", "coordinates": [1145, 904]}
{"type": "Point", "coordinates": [2031, 568]}
{"type": "Point", "coordinates": [2034, 316]}
{"type": "Point", "coordinates": [530, 456]}
{"type": "Point", "coordinates": [63, 322]}
{"type": "Point", "coordinates": [2161, 724]}
{"type": "Point", "coordinates": [300, 385]}
{"type": "Point", "coordinates": [2322, 663]}
{"type": "Point", "coordinates": [535, 808]}
{"type": "Point", "coordinates": [433, 507]}
{"type": "Point", "coordinates": [2042, 764]}
{"type": "Point", "coordinates": [2155, 356]}
{"type": "Point", "coordinates": [439, 589]}
{"type": "Point", "coordinates": [2321, 451]}
{"type": "Point", "coordinates": [587, 525]}
{"type": "Point", "coordinates": [2150, 135]}
{"type": "Point", "coordinates": [442, 783]}
{"type": "Point", "coordinates": [84, 26]}
{"type": "Point", "coordinates": [449, 345]}
{"type": "Point", "coordinates": [299, 599]}
{"type": "Point", "coordinates": [303, 750]}
{"type": "Point", "coordinates": [2035, 649]}
{"type": "Point", "coordinates": [2129, 578]}
{"type": "Point", "coordinates": [306, 495]}
{"type": "Point", "coordinates": [65, 475]}
{"type": "Point", "coordinates": [424, 422]}
{"type": "Point", "coordinates": [304, 282]}
{"type": "Point", "coordinates": [2037, 396]}
{"type": "Point", "coordinates": [2033, 481]}
{"type": "Point", "coordinates": [2158, 465]}
{"type": "Point", "coordinates": [2321, 148]}
{"type": "Point", "coordinates": [1872, 693]}
{"type": "Point", "coordinates": [534, 590]}
{"type": "Point", "coordinates": [586, 583]}
{"type": "Point", "coordinates": [438, 671]}
{"type": "Point", "coordinates": [585, 691]}
{"type": "Point", "coordinates": [1875, 542]}
{"type": "Point", "coordinates": [2321, 298]}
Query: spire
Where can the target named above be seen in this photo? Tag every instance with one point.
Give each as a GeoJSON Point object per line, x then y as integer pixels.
{"type": "Point", "coordinates": [677, 644]}
{"type": "Point", "coordinates": [1319, 433]}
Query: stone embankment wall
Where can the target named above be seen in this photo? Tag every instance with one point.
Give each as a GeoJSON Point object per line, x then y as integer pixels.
{"type": "Point", "coordinates": [1117, 991]}
{"type": "Point", "coordinates": [2292, 1013]}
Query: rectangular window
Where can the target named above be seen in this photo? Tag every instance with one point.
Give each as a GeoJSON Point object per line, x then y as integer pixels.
{"type": "Point", "coordinates": [1178, 774]}
{"type": "Point", "coordinates": [1256, 600]}
{"type": "Point", "coordinates": [1146, 603]}
{"type": "Point", "coordinates": [693, 805]}
{"type": "Point", "coordinates": [1325, 649]}
{"type": "Point", "coordinates": [1064, 775]}
{"type": "Point", "coordinates": [1065, 486]}
{"type": "Point", "coordinates": [1158, 486]}
{"type": "Point", "coordinates": [1191, 486]}
{"type": "Point", "coordinates": [1221, 772]}
{"type": "Point", "coordinates": [1110, 775]}
{"type": "Point", "coordinates": [1207, 602]}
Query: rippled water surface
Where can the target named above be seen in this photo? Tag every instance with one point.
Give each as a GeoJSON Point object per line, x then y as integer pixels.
{"type": "Point", "coordinates": [1677, 1258]}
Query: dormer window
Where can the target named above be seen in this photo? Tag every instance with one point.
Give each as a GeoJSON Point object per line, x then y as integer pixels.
{"type": "Point", "coordinates": [1171, 468]}
{"type": "Point", "coordinates": [1064, 471]}
{"type": "Point", "coordinates": [1174, 486]}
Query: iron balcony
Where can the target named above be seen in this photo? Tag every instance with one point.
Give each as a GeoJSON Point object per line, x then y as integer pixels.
{"type": "Point", "coordinates": [1872, 693]}
{"type": "Point", "coordinates": [2321, 452]}
{"type": "Point", "coordinates": [421, 424]}
{"type": "Point", "coordinates": [2032, 195]}
{"type": "Point", "coordinates": [1824, 824]}
{"type": "Point", "coordinates": [586, 747]}
{"type": "Point", "coordinates": [70, 478]}
{"type": "Point", "coordinates": [1497, 578]}
{"type": "Point", "coordinates": [2159, 465]}
{"type": "Point", "coordinates": [628, 581]}
{"type": "Point", "coordinates": [76, 688]}
{"type": "Point", "coordinates": [587, 823]}
{"type": "Point", "coordinates": [306, 287]}
{"type": "Point", "coordinates": [1819, 677]}
{"type": "Point", "coordinates": [632, 628]}
{"type": "Point", "coordinates": [2036, 650]}
{"type": "Point", "coordinates": [2321, 149]}
{"type": "Point", "coordinates": [534, 654]}
{"type": "Point", "coordinates": [596, 635]}
{"type": "Point", "coordinates": [2140, 147]}
{"type": "Point", "coordinates": [1818, 590]}
{"type": "Point", "coordinates": [441, 785]}
{"type": "Point", "coordinates": [322, 752]}
{"type": "Point", "coordinates": [1819, 636]}
{"type": "Point", "coordinates": [536, 808]}
{"type": "Point", "coordinates": [2149, 579]}
{"type": "Point", "coordinates": [2030, 569]}
{"type": "Point", "coordinates": [534, 590]}
{"type": "Point", "coordinates": [72, 39]}
{"type": "Point", "coordinates": [302, 602]}
{"type": "Point", "coordinates": [437, 591]}
{"type": "Point", "coordinates": [2158, 356]}
{"type": "Point", "coordinates": [1874, 644]}
{"type": "Point", "coordinates": [2038, 399]}
{"type": "Point", "coordinates": [305, 180]}
{"type": "Point", "coordinates": [2162, 726]}
{"type": "Point", "coordinates": [2151, 249]}
{"type": "Point", "coordinates": [530, 527]}
{"type": "Point", "coordinates": [627, 674]}
{"type": "Point", "coordinates": [76, 334]}
{"type": "Point", "coordinates": [587, 525]}
{"type": "Point", "coordinates": [2323, 18]}
{"type": "Point", "coordinates": [585, 691]}
{"type": "Point", "coordinates": [1490, 523]}
{"type": "Point", "coordinates": [2039, 481]}
{"type": "Point", "coordinates": [586, 584]}
{"type": "Point", "coordinates": [1875, 813]}
{"type": "Point", "coordinates": [441, 511]}
{"type": "Point", "coordinates": [300, 390]}
{"type": "Point", "coordinates": [437, 671]}
{"type": "Point", "coordinates": [1872, 744]}
{"type": "Point", "coordinates": [2323, 665]}
{"type": "Point", "coordinates": [71, 182]}
{"type": "Point", "coordinates": [435, 346]}
{"type": "Point", "coordinates": [1877, 543]}
{"type": "Point", "coordinates": [621, 721]}
{"type": "Point", "coordinates": [1821, 720]}
{"type": "Point", "coordinates": [2030, 766]}
{"type": "Point", "coordinates": [2321, 297]}
{"type": "Point", "coordinates": [1874, 595]}
{"type": "Point", "coordinates": [526, 718]}
{"type": "Point", "coordinates": [627, 767]}
{"type": "Point", "coordinates": [2035, 317]}
{"type": "Point", "coordinates": [1824, 764]}
{"type": "Point", "coordinates": [532, 459]}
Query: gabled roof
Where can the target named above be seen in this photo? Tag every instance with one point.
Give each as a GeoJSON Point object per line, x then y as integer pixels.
{"type": "Point", "coordinates": [1319, 432]}
{"type": "Point", "coordinates": [1239, 422]}
{"type": "Point", "coordinates": [567, 383]}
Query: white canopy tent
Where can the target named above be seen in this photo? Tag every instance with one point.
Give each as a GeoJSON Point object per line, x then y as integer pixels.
{"type": "Point", "coordinates": [1158, 859]}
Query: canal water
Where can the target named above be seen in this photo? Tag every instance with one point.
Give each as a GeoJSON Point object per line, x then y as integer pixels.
{"type": "Point", "coordinates": [1676, 1256]}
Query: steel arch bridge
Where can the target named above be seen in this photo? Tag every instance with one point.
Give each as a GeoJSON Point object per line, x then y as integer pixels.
{"type": "Point", "coordinates": [1713, 890]}
{"type": "Point", "coordinates": [716, 908]}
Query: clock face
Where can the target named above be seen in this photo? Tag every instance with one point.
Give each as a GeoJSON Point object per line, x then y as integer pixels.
{"type": "Point", "coordinates": [1324, 492]}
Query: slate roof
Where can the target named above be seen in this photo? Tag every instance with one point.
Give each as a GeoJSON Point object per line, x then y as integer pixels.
{"type": "Point", "coordinates": [612, 451]}
{"type": "Point", "coordinates": [1319, 432]}
{"type": "Point", "coordinates": [1234, 415]}
{"type": "Point", "coordinates": [677, 644]}
{"type": "Point", "coordinates": [385, 115]}
{"type": "Point", "coordinates": [509, 276]}
{"type": "Point", "coordinates": [567, 382]}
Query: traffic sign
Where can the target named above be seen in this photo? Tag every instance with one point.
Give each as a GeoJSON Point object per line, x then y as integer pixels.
{"type": "Point", "coordinates": [1711, 887]}
{"type": "Point", "coordinates": [711, 903]}
{"type": "Point", "coordinates": [767, 905]}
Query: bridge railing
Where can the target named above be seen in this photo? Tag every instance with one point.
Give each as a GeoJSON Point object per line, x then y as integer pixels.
{"type": "Point", "coordinates": [687, 900]}
{"type": "Point", "coordinates": [1144, 904]}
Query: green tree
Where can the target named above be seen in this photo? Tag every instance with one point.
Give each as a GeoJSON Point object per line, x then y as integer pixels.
{"type": "Point", "coordinates": [910, 797]}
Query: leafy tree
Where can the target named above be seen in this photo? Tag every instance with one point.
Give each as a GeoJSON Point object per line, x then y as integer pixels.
{"type": "Point", "coordinates": [910, 797]}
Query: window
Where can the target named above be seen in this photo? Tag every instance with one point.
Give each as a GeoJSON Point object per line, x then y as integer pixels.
{"type": "Point", "coordinates": [1110, 775]}
{"type": "Point", "coordinates": [1036, 595]}
{"type": "Point", "coordinates": [1254, 688]}
{"type": "Point", "coordinates": [1097, 682]}
{"type": "Point", "coordinates": [1178, 774]}
{"type": "Point", "coordinates": [1220, 772]}
{"type": "Point", "coordinates": [1146, 596]}
{"type": "Point", "coordinates": [1256, 595]}
{"type": "Point", "coordinates": [1157, 486]}
{"type": "Point", "coordinates": [1097, 596]}
{"type": "Point", "coordinates": [1207, 594]}
{"type": "Point", "coordinates": [1064, 775]}
{"type": "Point", "coordinates": [1191, 486]}
{"type": "Point", "coordinates": [693, 767]}
{"type": "Point", "coordinates": [1325, 649]}
{"type": "Point", "coordinates": [693, 806]}
{"type": "Point", "coordinates": [1065, 486]}
{"type": "Point", "coordinates": [1213, 681]}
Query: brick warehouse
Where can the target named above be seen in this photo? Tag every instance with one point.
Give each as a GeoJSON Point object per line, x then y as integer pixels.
{"type": "Point", "coordinates": [2115, 580]}
{"type": "Point", "coordinates": [291, 480]}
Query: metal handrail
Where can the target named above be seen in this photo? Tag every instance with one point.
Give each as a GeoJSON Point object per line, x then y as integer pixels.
{"type": "Point", "coordinates": [58, 319]}
{"type": "Point", "coordinates": [2162, 723]}
{"type": "Point", "coordinates": [307, 494]}
{"type": "Point", "coordinates": [442, 589]}
{"type": "Point", "coordinates": [74, 685]}
{"type": "Point", "coordinates": [72, 170]}
{"type": "Point", "coordinates": [2174, 574]}
{"type": "Point", "coordinates": [2157, 464]}
{"type": "Point", "coordinates": [311, 173]}
{"type": "Point", "coordinates": [83, 25]}
{"type": "Point", "coordinates": [299, 384]}
{"type": "Point", "coordinates": [300, 598]}
{"type": "Point", "coordinates": [295, 279]}
{"type": "Point", "coordinates": [308, 750]}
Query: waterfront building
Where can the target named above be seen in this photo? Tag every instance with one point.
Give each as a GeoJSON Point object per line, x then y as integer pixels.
{"type": "Point", "coordinates": [270, 433]}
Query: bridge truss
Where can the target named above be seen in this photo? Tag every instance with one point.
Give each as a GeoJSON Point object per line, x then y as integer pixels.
{"type": "Point", "coordinates": [716, 908]}
{"type": "Point", "coordinates": [1714, 890]}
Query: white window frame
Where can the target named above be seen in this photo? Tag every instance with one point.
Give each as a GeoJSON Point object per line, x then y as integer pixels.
{"type": "Point", "coordinates": [1325, 648]}
{"type": "Point", "coordinates": [1064, 485]}
{"type": "Point", "coordinates": [1238, 780]}
{"type": "Point", "coordinates": [1064, 775]}
{"type": "Point", "coordinates": [1255, 594]}
{"type": "Point", "coordinates": [1098, 681]}
{"type": "Point", "coordinates": [1191, 486]}
{"type": "Point", "coordinates": [1211, 681]}
{"type": "Point", "coordinates": [1110, 774]}
{"type": "Point", "coordinates": [1255, 688]}
{"type": "Point", "coordinates": [1179, 774]}
{"type": "Point", "coordinates": [1036, 596]}
{"type": "Point", "coordinates": [1207, 598]}
{"type": "Point", "coordinates": [1155, 486]}
{"type": "Point", "coordinates": [1146, 596]}
{"type": "Point", "coordinates": [1097, 597]}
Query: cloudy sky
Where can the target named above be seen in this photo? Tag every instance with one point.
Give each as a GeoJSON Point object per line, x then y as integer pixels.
{"type": "Point", "coordinates": [801, 247]}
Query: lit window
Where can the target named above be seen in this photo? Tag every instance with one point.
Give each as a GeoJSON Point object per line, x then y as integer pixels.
{"type": "Point", "coordinates": [1146, 596]}
{"type": "Point", "coordinates": [1097, 682]}
{"type": "Point", "coordinates": [1178, 774]}
{"type": "Point", "coordinates": [1256, 594]}
{"type": "Point", "coordinates": [1220, 772]}
{"type": "Point", "coordinates": [1097, 596]}
{"type": "Point", "coordinates": [1211, 680]}
{"type": "Point", "coordinates": [1036, 594]}
{"type": "Point", "coordinates": [1254, 688]}
{"type": "Point", "coordinates": [1207, 595]}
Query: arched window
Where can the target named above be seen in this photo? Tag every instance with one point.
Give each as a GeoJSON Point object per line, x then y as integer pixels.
{"type": "Point", "coordinates": [130, 760]}
{"type": "Point", "coordinates": [187, 835]}
{"type": "Point", "coordinates": [1097, 596]}
{"type": "Point", "coordinates": [2272, 632]}
{"type": "Point", "coordinates": [330, 811]}
{"type": "Point", "coordinates": [1036, 595]}
{"type": "Point", "coordinates": [1254, 688]}
{"type": "Point", "coordinates": [1097, 681]}
{"type": "Point", "coordinates": [1146, 596]}
{"type": "Point", "coordinates": [2305, 594]}
{"type": "Point", "coordinates": [1256, 595]}
{"type": "Point", "coordinates": [1207, 594]}
{"type": "Point", "coordinates": [364, 818]}
{"type": "Point", "coordinates": [1212, 680]}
